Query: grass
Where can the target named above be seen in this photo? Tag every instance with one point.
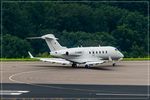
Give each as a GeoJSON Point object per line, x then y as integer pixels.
{"type": "Point", "coordinates": [29, 59]}
{"type": "Point", "coordinates": [18, 59]}
{"type": "Point", "coordinates": [135, 59]}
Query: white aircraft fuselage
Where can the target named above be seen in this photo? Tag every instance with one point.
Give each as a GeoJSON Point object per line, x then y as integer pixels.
{"type": "Point", "coordinates": [82, 55]}
{"type": "Point", "coordinates": [79, 55]}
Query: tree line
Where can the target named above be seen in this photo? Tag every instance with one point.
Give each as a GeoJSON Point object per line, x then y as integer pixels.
{"type": "Point", "coordinates": [123, 25]}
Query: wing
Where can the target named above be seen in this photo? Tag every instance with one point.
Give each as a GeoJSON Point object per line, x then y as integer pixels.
{"type": "Point", "coordinates": [95, 62]}
{"type": "Point", "coordinates": [55, 60]}
{"type": "Point", "coordinates": [51, 60]}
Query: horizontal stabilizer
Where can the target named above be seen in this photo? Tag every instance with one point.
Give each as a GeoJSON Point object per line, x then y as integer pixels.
{"type": "Point", "coordinates": [34, 38]}
{"type": "Point", "coordinates": [47, 36]}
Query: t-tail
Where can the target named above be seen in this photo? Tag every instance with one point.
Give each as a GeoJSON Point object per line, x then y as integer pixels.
{"type": "Point", "coordinates": [51, 41]}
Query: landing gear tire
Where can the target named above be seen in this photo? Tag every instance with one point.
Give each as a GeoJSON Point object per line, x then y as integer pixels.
{"type": "Point", "coordinates": [87, 66]}
{"type": "Point", "coordinates": [74, 65]}
{"type": "Point", "coordinates": [114, 64]}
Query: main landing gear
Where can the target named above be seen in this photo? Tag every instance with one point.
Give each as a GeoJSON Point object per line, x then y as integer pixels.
{"type": "Point", "coordinates": [74, 65]}
{"type": "Point", "coordinates": [87, 66]}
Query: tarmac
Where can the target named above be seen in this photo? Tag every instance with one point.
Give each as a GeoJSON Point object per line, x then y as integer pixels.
{"type": "Point", "coordinates": [74, 92]}
{"type": "Point", "coordinates": [124, 73]}
{"type": "Point", "coordinates": [128, 79]}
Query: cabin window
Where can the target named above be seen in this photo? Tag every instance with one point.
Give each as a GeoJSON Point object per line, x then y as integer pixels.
{"type": "Point", "coordinates": [96, 52]}
{"type": "Point", "coordinates": [106, 51]}
{"type": "Point", "coordinates": [100, 52]}
{"type": "Point", "coordinates": [103, 51]}
{"type": "Point", "coordinates": [89, 52]}
{"type": "Point", "coordinates": [93, 52]}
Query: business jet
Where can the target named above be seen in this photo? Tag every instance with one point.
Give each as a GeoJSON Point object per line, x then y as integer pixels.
{"type": "Point", "coordinates": [88, 56]}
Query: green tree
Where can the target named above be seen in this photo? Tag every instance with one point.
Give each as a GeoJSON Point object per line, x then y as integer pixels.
{"type": "Point", "coordinates": [13, 47]}
{"type": "Point", "coordinates": [123, 25]}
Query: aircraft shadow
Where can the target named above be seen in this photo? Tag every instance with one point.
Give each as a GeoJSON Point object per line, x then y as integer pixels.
{"type": "Point", "coordinates": [104, 68]}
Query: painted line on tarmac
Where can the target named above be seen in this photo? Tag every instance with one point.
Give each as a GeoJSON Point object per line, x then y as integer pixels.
{"type": "Point", "coordinates": [12, 92]}
{"type": "Point", "coordinates": [120, 94]}
{"type": "Point", "coordinates": [47, 86]}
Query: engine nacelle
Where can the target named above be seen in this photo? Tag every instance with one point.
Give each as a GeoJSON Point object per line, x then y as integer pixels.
{"type": "Point", "coordinates": [67, 53]}
{"type": "Point", "coordinates": [73, 53]}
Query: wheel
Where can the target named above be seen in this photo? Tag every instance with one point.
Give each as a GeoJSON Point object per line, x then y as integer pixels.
{"type": "Point", "coordinates": [114, 64]}
{"type": "Point", "coordinates": [74, 65]}
{"type": "Point", "coordinates": [87, 66]}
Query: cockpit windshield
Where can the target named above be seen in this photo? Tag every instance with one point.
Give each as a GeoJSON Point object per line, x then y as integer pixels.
{"type": "Point", "coordinates": [116, 49]}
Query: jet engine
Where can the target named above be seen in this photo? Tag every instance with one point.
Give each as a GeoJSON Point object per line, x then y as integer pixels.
{"type": "Point", "coordinates": [73, 53]}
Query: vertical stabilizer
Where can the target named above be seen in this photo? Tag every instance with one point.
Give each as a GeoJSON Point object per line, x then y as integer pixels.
{"type": "Point", "coordinates": [52, 42]}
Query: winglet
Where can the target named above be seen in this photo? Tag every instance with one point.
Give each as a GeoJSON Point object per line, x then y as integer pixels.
{"type": "Point", "coordinates": [110, 59]}
{"type": "Point", "coordinates": [30, 55]}
{"type": "Point", "coordinates": [120, 59]}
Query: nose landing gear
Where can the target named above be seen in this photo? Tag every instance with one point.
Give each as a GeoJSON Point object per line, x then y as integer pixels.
{"type": "Point", "coordinates": [114, 64]}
